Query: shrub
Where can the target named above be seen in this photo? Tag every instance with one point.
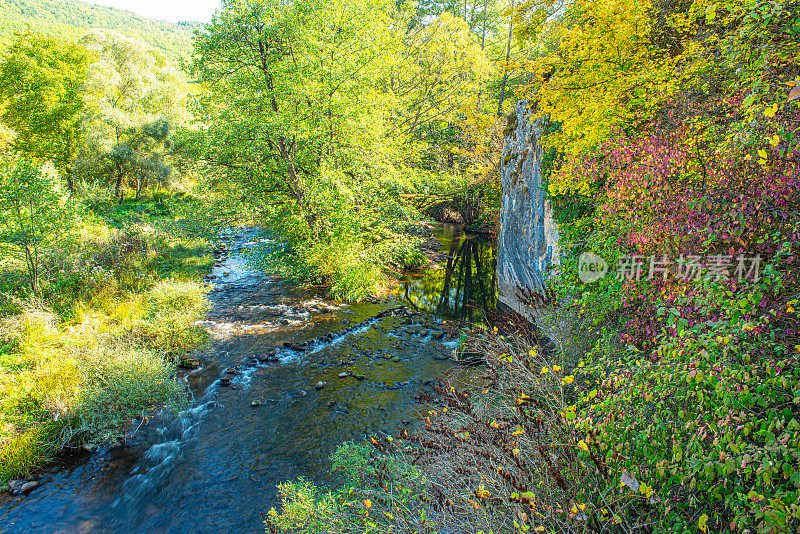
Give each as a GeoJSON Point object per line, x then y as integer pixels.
{"type": "Point", "coordinates": [121, 385]}
{"type": "Point", "coordinates": [305, 509]}
{"type": "Point", "coordinates": [171, 310]}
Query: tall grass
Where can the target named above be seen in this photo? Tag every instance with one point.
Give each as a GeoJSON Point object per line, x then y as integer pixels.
{"type": "Point", "coordinates": [99, 348]}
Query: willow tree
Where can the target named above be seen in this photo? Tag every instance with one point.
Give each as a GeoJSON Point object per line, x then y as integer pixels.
{"type": "Point", "coordinates": [134, 95]}
{"type": "Point", "coordinates": [293, 97]}
{"type": "Point", "coordinates": [42, 83]}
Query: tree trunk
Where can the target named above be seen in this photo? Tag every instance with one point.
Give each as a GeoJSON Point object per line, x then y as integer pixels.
{"type": "Point", "coordinates": [70, 183]}
{"type": "Point", "coordinates": [119, 192]}
{"type": "Point", "coordinates": [483, 33]}
{"type": "Point", "coordinates": [296, 183]}
{"type": "Point", "coordinates": [505, 74]}
{"type": "Point", "coordinates": [483, 47]}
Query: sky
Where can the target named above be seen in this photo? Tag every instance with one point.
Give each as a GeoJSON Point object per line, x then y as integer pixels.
{"type": "Point", "coordinates": [169, 10]}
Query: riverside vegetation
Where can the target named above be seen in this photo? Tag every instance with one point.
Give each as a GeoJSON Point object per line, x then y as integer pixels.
{"type": "Point", "coordinates": [669, 130]}
{"type": "Point", "coordinates": [116, 164]}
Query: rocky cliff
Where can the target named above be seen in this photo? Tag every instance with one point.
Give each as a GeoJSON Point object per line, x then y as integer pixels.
{"type": "Point", "coordinates": [527, 242]}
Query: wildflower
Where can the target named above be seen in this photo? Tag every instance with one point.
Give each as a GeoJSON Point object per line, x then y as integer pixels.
{"type": "Point", "coordinates": [567, 379]}
{"type": "Point", "coordinates": [544, 371]}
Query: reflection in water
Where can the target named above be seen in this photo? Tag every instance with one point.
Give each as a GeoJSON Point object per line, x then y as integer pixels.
{"type": "Point", "coordinates": [215, 468]}
{"type": "Point", "coordinates": [462, 287]}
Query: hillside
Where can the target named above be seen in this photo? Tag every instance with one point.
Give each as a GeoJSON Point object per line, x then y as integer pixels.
{"type": "Point", "coordinates": [73, 18]}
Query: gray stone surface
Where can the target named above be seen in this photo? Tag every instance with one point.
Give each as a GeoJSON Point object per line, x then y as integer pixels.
{"type": "Point", "coordinates": [527, 241]}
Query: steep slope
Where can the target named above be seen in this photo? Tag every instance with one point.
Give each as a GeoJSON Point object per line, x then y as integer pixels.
{"type": "Point", "coordinates": [71, 19]}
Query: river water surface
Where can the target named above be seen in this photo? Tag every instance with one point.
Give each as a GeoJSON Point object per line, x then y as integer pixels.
{"type": "Point", "coordinates": [215, 467]}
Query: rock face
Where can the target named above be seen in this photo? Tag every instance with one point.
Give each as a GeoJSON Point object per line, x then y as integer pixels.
{"type": "Point", "coordinates": [527, 241]}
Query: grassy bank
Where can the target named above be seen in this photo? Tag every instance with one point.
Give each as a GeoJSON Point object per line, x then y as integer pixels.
{"type": "Point", "coordinates": [98, 347]}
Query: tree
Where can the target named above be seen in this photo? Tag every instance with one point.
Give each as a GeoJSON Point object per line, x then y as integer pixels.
{"type": "Point", "coordinates": [34, 211]}
{"type": "Point", "coordinates": [442, 73]}
{"type": "Point", "coordinates": [42, 82]}
{"type": "Point", "coordinates": [294, 96]}
{"type": "Point", "coordinates": [135, 96]}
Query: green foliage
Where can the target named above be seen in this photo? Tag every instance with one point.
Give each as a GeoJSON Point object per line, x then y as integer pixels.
{"type": "Point", "coordinates": [41, 83]}
{"type": "Point", "coordinates": [35, 212]}
{"type": "Point", "coordinates": [172, 307]}
{"type": "Point", "coordinates": [127, 302]}
{"type": "Point", "coordinates": [122, 385]}
{"type": "Point", "coordinates": [135, 97]}
{"type": "Point", "coordinates": [323, 131]}
{"type": "Point", "coordinates": [73, 19]}
{"type": "Point", "coordinates": [361, 503]}
{"type": "Point", "coordinates": [304, 508]}
{"type": "Point", "coordinates": [710, 420]}
{"type": "Point", "coordinates": [25, 452]}
{"type": "Point", "coordinates": [351, 462]}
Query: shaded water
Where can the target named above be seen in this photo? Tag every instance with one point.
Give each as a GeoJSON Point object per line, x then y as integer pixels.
{"type": "Point", "coordinates": [215, 467]}
{"type": "Point", "coordinates": [463, 285]}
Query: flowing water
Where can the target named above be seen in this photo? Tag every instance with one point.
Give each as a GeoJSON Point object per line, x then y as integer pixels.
{"type": "Point", "coordinates": [215, 467]}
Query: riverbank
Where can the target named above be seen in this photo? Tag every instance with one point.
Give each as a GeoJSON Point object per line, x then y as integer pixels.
{"type": "Point", "coordinates": [270, 423]}
{"type": "Point", "coordinates": [99, 347]}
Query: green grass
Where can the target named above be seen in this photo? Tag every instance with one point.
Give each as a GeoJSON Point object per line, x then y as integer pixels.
{"type": "Point", "coordinates": [101, 346]}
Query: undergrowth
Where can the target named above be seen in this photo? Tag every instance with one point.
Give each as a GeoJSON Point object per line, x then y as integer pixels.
{"type": "Point", "coordinates": [97, 350]}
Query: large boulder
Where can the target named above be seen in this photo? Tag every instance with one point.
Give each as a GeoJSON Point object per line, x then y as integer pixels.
{"type": "Point", "coordinates": [527, 240]}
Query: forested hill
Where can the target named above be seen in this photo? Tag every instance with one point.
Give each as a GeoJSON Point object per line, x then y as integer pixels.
{"type": "Point", "coordinates": [73, 18]}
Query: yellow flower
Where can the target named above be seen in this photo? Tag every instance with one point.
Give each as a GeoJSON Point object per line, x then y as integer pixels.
{"type": "Point", "coordinates": [567, 379]}
{"type": "Point", "coordinates": [494, 424]}
{"type": "Point", "coordinates": [556, 368]}
{"type": "Point", "coordinates": [368, 503]}
{"type": "Point", "coordinates": [532, 353]}
{"type": "Point", "coordinates": [518, 431]}
{"type": "Point", "coordinates": [775, 140]}
{"type": "Point", "coordinates": [701, 523]}
{"type": "Point", "coordinates": [544, 371]}
{"type": "Point", "coordinates": [515, 452]}
{"type": "Point", "coordinates": [582, 445]}
{"type": "Point", "coordinates": [771, 111]}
